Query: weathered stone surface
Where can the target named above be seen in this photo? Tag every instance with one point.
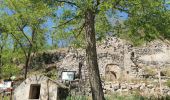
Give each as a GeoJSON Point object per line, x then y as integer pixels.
{"type": "Point", "coordinates": [120, 56]}
{"type": "Point", "coordinates": [149, 89]}
{"type": "Point", "coordinates": [150, 86]}
{"type": "Point", "coordinates": [118, 60]}
{"type": "Point", "coordinates": [48, 57]}
{"type": "Point", "coordinates": [48, 89]}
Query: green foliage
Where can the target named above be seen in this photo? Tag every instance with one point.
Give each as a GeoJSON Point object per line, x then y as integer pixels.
{"type": "Point", "coordinates": [117, 96]}
{"type": "Point", "coordinates": [6, 97]}
{"type": "Point", "coordinates": [10, 60]}
{"type": "Point", "coordinates": [10, 69]}
{"type": "Point", "coordinates": [52, 74]}
{"type": "Point", "coordinates": [71, 22]}
{"type": "Point", "coordinates": [129, 97]}
{"type": "Point", "coordinates": [147, 20]}
{"type": "Point", "coordinates": [168, 83]}
{"type": "Point", "coordinates": [77, 98]}
{"type": "Point", "coordinates": [102, 26]}
{"type": "Point", "coordinates": [26, 15]}
{"type": "Point", "coordinates": [22, 21]}
{"type": "Point", "coordinates": [150, 71]}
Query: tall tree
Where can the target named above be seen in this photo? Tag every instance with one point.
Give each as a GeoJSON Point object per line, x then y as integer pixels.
{"type": "Point", "coordinates": [91, 56]}
{"type": "Point", "coordinates": [79, 21]}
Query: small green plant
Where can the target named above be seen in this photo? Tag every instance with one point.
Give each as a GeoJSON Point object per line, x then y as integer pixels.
{"type": "Point", "coordinates": [77, 98]}
{"type": "Point", "coordinates": [150, 71]}
{"type": "Point", "coordinates": [168, 83]}
{"type": "Point", "coordinates": [51, 74]}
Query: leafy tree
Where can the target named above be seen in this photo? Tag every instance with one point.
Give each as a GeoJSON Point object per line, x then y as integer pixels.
{"type": "Point", "coordinates": [22, 21]}
{"type": "Point", "coordinates": [8, 65]}
{"type": "Point", "coordinates": [81, 21]}
{"type": "Point", "coordinates": [147, 20]}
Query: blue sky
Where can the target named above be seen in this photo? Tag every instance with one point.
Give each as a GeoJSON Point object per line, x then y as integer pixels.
{"type": "Point", "coordinates": [50, 23]}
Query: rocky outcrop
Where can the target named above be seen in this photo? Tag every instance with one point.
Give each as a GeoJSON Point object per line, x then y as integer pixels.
{"type": "Point", "coordinates": [44, 59]}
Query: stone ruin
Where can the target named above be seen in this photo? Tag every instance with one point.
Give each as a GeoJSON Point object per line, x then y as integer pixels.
{"type": "Point", "coordinates": [118, 63]}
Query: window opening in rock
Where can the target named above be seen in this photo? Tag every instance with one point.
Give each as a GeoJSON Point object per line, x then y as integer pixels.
{"type": "Point", "coordinates": [34, 91]}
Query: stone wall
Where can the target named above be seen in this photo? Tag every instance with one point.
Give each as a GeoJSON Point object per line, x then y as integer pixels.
{"type": "Point", "coordinates": [143, 88]}
{"type": "Point", "coordinates": [123, 60]}
{"type": "Point", "coordinates": [115, 51]}
{"type": "Point", "coordinates": [45, 58]}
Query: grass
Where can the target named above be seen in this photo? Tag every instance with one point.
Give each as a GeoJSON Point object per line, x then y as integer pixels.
{"type": "Point", "coordinates": [121, 97]}
{"type": "Point", "coordinates": [78, 98]}
{"type": "Point", "coordinates": [5, 97]}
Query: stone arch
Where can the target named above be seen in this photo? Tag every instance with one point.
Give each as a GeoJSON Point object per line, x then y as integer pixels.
{"type": "Point", "coordinates": [112, 72]}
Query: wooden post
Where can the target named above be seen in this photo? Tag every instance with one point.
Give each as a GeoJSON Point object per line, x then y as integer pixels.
{"type": "Point", "coordinates": [160, 84]}
{"type": "Point", "coordinates": [80, 77]}
{"type": "Point", "coordinates": [11, 90]}
{"type": "Point", "coordinates": [3, 95]}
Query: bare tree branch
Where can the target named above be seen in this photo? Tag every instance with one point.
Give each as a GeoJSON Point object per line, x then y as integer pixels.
{"type": "Point", "coordinates": [68, 21]}
{"type": "Point", "coordinates": [80, 30]}
{"type": "Point", "coordinates": [22, 31]}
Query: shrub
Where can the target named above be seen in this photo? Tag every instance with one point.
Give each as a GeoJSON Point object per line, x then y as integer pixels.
{"type": "Point", "coordinates": [77, 98]}
{"type": "Point", "coordinates": [10, 69]}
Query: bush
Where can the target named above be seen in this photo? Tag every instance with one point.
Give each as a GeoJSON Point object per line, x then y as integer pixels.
{"type": "Point", "coordinates": [10, 69]}
{"type": "Point", "coordinates": [77, 98]}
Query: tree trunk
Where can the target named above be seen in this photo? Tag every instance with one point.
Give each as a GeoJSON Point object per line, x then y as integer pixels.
{"type": "Point", "coordinates": [1, 63]}
{"type": "Point", "coordinates": [1, 48]}
{"type": "Point", "coordinates": [91, 57]}
{"type": "Point", "coordinates": [28, 57]}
